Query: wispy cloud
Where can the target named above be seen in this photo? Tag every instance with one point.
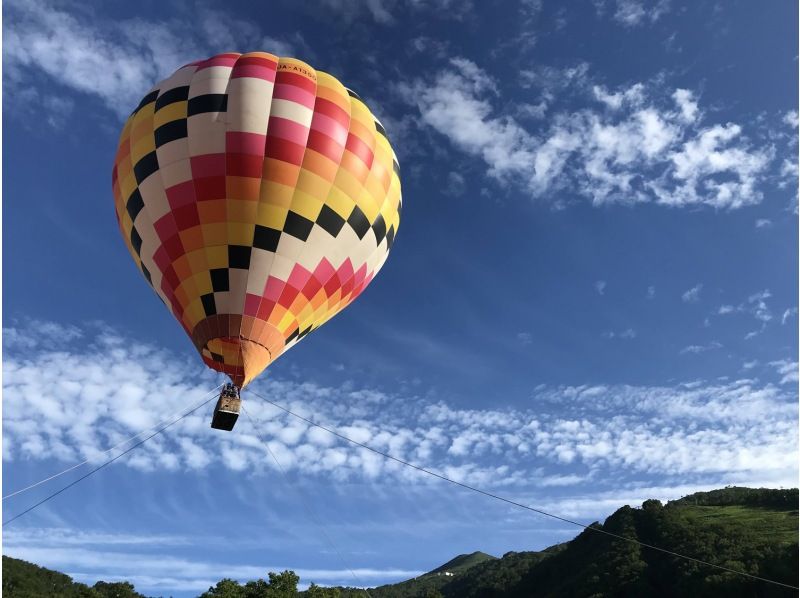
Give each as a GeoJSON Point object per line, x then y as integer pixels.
{"type": "Point", "coordinates": [789, 167]}
{"type": "Point", "coordinates": [755, 306]}
{"type": "Point", "coordinates": [600, 287]}
{"type": "Point", "coordinates": [547, 83]}
{"type": "Point", "coordinates": [693, 294]}
{"type": "Point", "coordinates": [383, 11]}
{"type": "Point", "coordinates": [114, 61]}
{"type": "Point", "coordinates": [626, 334]}
{"type": "Point", "coordinates": [628, 145]}
{"type": "Point", "coordinates": [632, 13]}
{"type": "Point", "coordinates": [455, 105]}
{"type": "Point", "coordinates": [695, 349]}
{"type": "Point", "coordinates": [787, 369]}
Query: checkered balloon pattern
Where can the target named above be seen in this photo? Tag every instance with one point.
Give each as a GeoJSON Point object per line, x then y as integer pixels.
{"type": "Point", "coordinates": [259, 198]}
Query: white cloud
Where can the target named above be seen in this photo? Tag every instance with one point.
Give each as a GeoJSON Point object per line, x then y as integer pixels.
{"type": "Point", "coordinates": [452, 107]}
{"type": "Point", "coordinates": [37, 333]}
{"type": "Point", "coordinates": [219, 30]}
{"type": "Point", "coordinates": [632, 13]}
{"type": "Point", "coordinates": [626, 334]}
{"type": "Point", "coordinates": [651, 292]}
{"type": "Point", "coordinates": [698, 162]}
{"type": "Point", "coordinates": [562, 480]}
{"type": "Point", "coordinates": [789, 166]}
{"type": "Point", "coordinates": [695, 349]}
{"type": "Point", "coordinates": [684, 98]}
{"type": "Point", "coordinates": [382, 11]}
{"type": "Point", "coordinates": [792, 311]}
{"type": "Point", "coordinates": [115, 61]}
{"type": "Point", "coordinates": [631, 97]}
{"type": "Point", "coordinates": [755, 306]}
{"type": "Point", "coordinates": [35, 106]}
{"type": "Point", "coordinates": [763, 223]}
{"type": "Point", "coordinates": [635, 12]}
{"type": "Point", "coordinates": [546, 83]}
{"type": "Point", "coordinates": [456, 184]}
{"type": "Point", "coordinates": [430, 46]}
{"type": "Point", "coordinates": [758, 305]}
{"type": "Point", "coordinates": [600, 287]}
{"type": "Point", "coordinates": [350, 10]}
{"type": "Point", "coordinates": [746, 426]}
{"type": "Point", "coordinates": [85, 58]}
{"type": "Point", "coordinates": [693, 294]}
{"type": "Point", "coordinates": [526, 338]}
{"type": "Point", "coordinates": [640, 148]}
{"type": "Point", "coordinates": [787, 369]}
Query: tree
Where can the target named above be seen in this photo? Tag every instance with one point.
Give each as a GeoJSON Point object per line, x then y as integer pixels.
{"type": "Point", "coordinates": [283, 585]}
{"type": "Point", "coordinates": [119, 589]}
{"type": "Point", "coordinates": [257, 589]}
{"type": "Point", "coordinates": [315, 591]}
{"type": "Point", "coordinates": [225, 588]}
{"type": "Point", "coordinates": [652, 505]}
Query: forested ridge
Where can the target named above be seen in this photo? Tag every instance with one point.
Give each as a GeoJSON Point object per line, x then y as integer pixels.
{"type": "Point", "coordinates": [748, 530]}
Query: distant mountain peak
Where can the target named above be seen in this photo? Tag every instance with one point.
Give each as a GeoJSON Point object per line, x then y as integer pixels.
{"type": "Point", "coordinates": [463, 562]}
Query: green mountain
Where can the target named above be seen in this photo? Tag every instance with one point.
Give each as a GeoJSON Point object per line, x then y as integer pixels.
{"type": "Point", "coordinates": [754, 531]}
{"type": "Point", "coordinates": [749, 530]}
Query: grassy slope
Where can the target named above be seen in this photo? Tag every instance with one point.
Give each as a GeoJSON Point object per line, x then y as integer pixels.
{"type": "Point", "coordinates": [463, 562]}
{"type": "Point", "coordinates": [766, 524]}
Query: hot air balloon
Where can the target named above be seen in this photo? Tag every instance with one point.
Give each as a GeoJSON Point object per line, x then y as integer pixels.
{"type": "Point", "coordinates": [258, 197]}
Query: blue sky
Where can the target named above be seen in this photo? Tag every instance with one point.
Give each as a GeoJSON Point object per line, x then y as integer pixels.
{"type": "Point", "coordinates": [592, 299]}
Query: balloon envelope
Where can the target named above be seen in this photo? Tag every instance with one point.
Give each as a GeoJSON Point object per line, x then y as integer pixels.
{"type": "Point", "coordinates": [258, 197]}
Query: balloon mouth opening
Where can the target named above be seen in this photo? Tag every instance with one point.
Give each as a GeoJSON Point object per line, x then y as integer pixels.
{"type": "Point", "coordinates": [239, 346]}
{"type": "Point", "coordinates": [239, 358]}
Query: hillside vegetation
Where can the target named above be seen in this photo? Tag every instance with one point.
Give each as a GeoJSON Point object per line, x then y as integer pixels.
{"type": "Point", "coordinates": [749, 530]}
{"type": "Point", "coordinates": [26, 580]}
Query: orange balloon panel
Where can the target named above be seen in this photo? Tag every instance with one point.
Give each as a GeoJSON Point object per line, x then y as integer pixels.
{"type": "Point", "coordinates": [258, 197]}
